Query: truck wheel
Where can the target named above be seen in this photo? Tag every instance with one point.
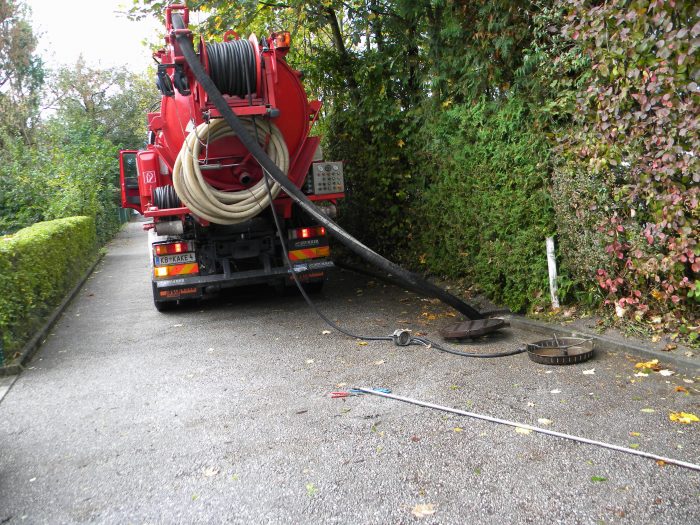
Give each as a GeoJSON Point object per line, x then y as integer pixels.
{"type": "Point", "coordinates": [314, 288]}
{"type": "Point", "coordinates": [164, 306]}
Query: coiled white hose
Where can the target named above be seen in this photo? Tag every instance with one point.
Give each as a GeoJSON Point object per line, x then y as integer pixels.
{"type": "Point", "coordinates": [225, 207]}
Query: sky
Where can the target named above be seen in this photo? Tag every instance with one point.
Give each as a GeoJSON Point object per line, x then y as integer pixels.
{"type": "Point", "coordinates": [67, 28]}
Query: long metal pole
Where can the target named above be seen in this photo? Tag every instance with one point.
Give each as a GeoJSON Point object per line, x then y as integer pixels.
{"type": "Point", "coordinates": [618, 448]}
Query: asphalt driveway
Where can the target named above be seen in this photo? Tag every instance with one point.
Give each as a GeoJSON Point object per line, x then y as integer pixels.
{"type": "Point", "coordinates": [220, 413]}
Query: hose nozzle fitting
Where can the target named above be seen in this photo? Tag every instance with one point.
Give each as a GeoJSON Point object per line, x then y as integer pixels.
{"type": "Point", "coordinates": [401, 337]}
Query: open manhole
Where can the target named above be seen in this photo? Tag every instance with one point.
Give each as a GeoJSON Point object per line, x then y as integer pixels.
{"type": "Point", "coordinates": [472, 329]}
{"type": "Point", "coordinates": [561, 350]}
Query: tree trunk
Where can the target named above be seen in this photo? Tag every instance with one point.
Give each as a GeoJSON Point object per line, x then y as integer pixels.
{"type": "Point", "coordinates": [339, 43]}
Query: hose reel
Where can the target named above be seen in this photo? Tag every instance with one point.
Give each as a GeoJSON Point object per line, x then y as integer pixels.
{"type": "Point", "coordinates": [233, 67]}
{"type": "Point", "coordinates": [165, 197]}
{"type": "Point", "coordinates": [226, 207]}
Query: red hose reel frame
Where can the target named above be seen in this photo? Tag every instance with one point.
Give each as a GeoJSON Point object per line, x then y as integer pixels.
{"type": "Point", "coordinates": [279, 96]}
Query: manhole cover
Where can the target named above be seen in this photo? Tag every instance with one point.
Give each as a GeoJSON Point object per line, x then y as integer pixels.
{"type": "Point", "coordinates": [561, 351]}
{"type": "Point", "coordinates": [472, 329]}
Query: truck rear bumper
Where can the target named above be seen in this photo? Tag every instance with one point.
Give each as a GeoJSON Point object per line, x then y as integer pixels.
{"type": "Point", "coordinates": [195, 285]}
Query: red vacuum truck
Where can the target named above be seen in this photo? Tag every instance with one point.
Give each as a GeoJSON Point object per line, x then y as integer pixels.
{"type": "Point", "coordinates": [211, 205]}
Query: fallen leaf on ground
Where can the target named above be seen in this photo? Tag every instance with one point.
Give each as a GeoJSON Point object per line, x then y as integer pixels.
{"type": "Point", "coordinates": [544, 421]}
{"type": "Point", "coordinates": [521, 430]}
{"type": "Point", "coordinates": [597, 479]}
{"type": "Point", "coordinates": [666, 373]}
{"type": "Point", "coordinates": [641, 374]}
{"type": "Point", "coordinates": [458, 429]}
{"type": "Point", "coordinates": [555, 391]}
{"type": "Point", "coordinates": [689, 381]}
{"type": "Point", "coordinates": [635, 434]}
{"type": "Point", "coordinates": [648, 410]}
{"type": "Point", "coordinates": [362, 343]}
{"type": "Point", "coordinates": [380, 362]}
{"type": "Point", "coordinates": [309, 361]}
{"type": "Point", "coordinates": [177, 325]}
{"type": "Point", "coordinates": [325, 332]}
{"type": "Point", "coordinates": [689, 354]}
{"type": "Point", "coordinates": [589, 372]}
{"type": "Point", "coordinates": [651, 365]}
{"type": "Point", "coordinates": [669, 347]}
{"type": "Point", "coordinates": [423, 510]}
{"type": "Point", "coordinates": [311, 489]}
{"type": "Point", "coordinates": [210, 471]}
{"type": "Point", "coordinates": [683, 417]}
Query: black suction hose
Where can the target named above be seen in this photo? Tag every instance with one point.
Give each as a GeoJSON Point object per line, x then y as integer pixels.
{"type": "Point", "coordinates": [227, 60]}
{"type": "Point", "coordinates": [411, 280]}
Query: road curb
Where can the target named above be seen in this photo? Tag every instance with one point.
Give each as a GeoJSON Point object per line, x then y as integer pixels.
{"type": "Point", "coordinates": [37, 340]}
{"type": "Point", "coordinates": [607, 344]}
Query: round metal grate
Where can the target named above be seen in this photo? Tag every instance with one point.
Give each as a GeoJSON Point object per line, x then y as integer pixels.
{"type": "Point", "coordinates": [561, 350]}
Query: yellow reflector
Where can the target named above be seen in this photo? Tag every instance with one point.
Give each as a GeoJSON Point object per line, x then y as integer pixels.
{"type": "Point", "coordinates": [161, 271]}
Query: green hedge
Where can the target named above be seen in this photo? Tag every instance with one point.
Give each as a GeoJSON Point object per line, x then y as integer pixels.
{"type": "Point", "coordinates": [38, 265]}
{"type": "Point", "coordinates": [487, 204]}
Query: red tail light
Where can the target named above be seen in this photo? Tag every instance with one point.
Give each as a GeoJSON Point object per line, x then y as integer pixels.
{"type": "Point", "coordinates": [171, 248]}
{"type": "Point", "coordinates": [307, 233]}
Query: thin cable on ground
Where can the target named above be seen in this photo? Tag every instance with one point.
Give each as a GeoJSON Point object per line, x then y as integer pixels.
{"type": "Point", "coordinates": [432, 344]}
{"type": "Point", "coordinates": [539, 430]}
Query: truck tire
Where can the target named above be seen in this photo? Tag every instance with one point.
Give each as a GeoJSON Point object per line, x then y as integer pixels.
{"type": "Point", "coordinates": [164, 306]}
{"type": "Point", "coordinates": [314, 288]}
{"type": "Point", "coordinates": [291, 290]}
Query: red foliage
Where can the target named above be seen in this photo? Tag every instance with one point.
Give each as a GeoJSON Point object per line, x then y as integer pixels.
{"type": "Point", "coordinates": [639, 128]}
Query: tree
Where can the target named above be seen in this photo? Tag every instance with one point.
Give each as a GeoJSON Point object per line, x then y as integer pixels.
{"type": "Point", "coordinates": [115, 101]}
{"type": "Point", "coordinates": [21, 72]}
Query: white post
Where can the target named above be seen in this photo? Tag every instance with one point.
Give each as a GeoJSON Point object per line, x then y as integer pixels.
{"type": "Point", "coordinates": [552, 265]}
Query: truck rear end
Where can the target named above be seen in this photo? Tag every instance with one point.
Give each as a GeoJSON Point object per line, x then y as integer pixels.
{"type": "Point", "coordinates": [211, 208]}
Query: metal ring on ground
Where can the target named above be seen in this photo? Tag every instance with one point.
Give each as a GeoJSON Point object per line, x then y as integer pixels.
{"type": "Point", "coordinates": [561, 351]}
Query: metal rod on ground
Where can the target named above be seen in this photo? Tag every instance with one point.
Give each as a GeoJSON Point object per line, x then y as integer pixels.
{"type": "Point", "coordinates": [426, 404]}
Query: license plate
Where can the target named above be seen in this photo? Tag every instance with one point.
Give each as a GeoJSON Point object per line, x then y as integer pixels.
{"type": "Point", "coordinates": [177, 258]}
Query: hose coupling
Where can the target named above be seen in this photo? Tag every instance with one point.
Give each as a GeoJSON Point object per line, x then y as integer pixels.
{"type": "Point", "coordinates": [401, 337]}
